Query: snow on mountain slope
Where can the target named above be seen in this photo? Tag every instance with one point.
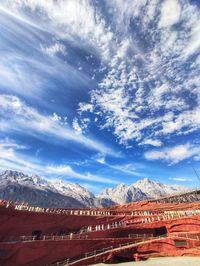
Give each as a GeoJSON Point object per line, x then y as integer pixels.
{"type": "Point", "coordinates": [156, 190]}
{"type": "Point", "coordinates": [123, 194]}
{"type": "Point", "coordinates": [74, 190]}
{"type": "Point", "coordinates": [18, 179]}
{"type": "Point", "coordinates": [141, 190]}
{"type": "Point", "coordinates": [18, 186]}
{"type": "Point", "coordinates": [36, 191]}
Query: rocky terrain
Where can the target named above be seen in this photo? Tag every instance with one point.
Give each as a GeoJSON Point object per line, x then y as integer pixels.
{"type": "Point", "coordinates": [123, 194]}
{"type": "Point", "coordinates": [41, 192]}
{"type": "Point", "coordinates": [141, 190]}
{"type": "Point", "coordinates": [156, 190]}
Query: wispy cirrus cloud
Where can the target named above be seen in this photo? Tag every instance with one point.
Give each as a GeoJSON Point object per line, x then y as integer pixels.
{"type": "Point", "coordinates": [142, 65]}
{"type": "Point", "coordinates": [17, 116]}
{"type": "Point", "coordinates": [145, 69]}
{"type": "Point", "coordinates": [84, 22]}
{"type": "Point", "coordinates": [54, 49]}
{"type": "Point", "coordinates": [129, 169]}
{"type": "Point", "coordinates": [34, 61]}
{"type": "Point", "coordinates": [11, 158]}
{"type": "Point", "coordinates": [67, 171]}
{"type": "Point", "coordinates": [182, 179]}
{"type": "Point", "coordinates": [125, 168]}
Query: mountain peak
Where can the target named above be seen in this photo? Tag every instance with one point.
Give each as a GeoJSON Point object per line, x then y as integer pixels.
{"type": "Point", "coordinates": [141, 190]}
{"type": "Point", "coordinates": [155, 189]}
{"type": "Point", "coordinates": [123, 193]}
{"type": "Point", "coordinates": [122, 185]}
{"type": "Point", "coordinates": [59, 188]}
{"type": "Point", "coordinates": [12, 173]}
{"type": "Point", "coordinates": [146, 179]}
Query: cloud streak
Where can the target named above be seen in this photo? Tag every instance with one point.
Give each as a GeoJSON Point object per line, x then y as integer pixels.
{"type": "Point", "coordinates": [10, 158]}
{"type": "Point", "coordinates": [34, 61]}
{"type": "Point", "coordinates": [145, 82]}
{"type": "Point", "coordinates": [19, 117]}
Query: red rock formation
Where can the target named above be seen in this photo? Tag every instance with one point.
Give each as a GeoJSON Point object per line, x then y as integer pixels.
{"type": "Point", "coordinates": [145, 221]}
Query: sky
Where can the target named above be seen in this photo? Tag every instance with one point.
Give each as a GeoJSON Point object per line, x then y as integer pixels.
{"type": "Point", "coordinates": [101, 92]}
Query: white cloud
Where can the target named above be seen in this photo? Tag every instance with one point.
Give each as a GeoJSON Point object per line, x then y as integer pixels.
{"type": "Point", "coordinates": [24, 68]}
{"type": "Point", "coordinates": [86, 107]}
{"type": "Point", "coordinates": [13, 6]}
{"type": "Point", "coordinates": [100, 159]}
{"type": "Point", "coordinates": [127, 169]}
{"type": "Point", "coordinates": [8, 143]}
{"type": "Point", "coordinates": [77, 128]}
{"type": "Point", "coordinates": [182, 179]}
{"type": "Point", "coordinates": [54, 49]}
{"type": "Point", "coordinates": [174, 154]}
{"type": "Point", "coordinates": [187, 119]}
{"type": "Point", "coordinates": [9, 155]}
{"type": "Point", "coordinates": [146, 87]}
{"type": "Point", "coordinates": [194, 42]}
{"type": "Point", "coordinates": [67, 171]}
{"type": "Point", "coordinates": [69, 20]}
{"type": "Point", "coordinates": [152, 142]}
{"type": "Point", "coordinates": [11, 158]}
{"type": "Point", "coordinates": [147, 91]}
{"type": "Point", "coordinates": [17, 116]}
{"type": "Point", "coordinates": [170, 13]}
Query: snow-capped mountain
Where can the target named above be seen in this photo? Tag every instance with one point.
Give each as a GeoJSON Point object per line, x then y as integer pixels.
{"type": "Point", "coordinates": [17, 185]}
{"type": "Point", "coordinates": [20, 178]}
{"type": "Point", "coordinates": [58, 186]}
{"type": "Point", "coordinates": [38, 191]}
{"type": "Point", "coordinates": [156, 190]}
{"type": "Point", "coordinates": [75, 191]}
{"type": "Point", "coordinates": [123, 194]}
{"type": "Point", "coordinates": [141, 190]}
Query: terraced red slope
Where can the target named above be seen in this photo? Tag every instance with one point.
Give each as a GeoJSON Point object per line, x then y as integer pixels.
{"type": "Point", "coordinates": [141, 222]}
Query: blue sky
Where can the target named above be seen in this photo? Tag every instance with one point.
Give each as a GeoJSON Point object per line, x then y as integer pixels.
{"type": "Point", "coordinates": [100, 92]}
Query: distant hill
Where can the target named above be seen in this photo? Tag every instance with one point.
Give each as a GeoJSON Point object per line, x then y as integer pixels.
{"type": "Point", "coordinates": [37, 191]}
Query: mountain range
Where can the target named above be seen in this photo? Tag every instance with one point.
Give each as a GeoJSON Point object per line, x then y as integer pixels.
{"type": "Point", "coordinates": [38, 191]}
